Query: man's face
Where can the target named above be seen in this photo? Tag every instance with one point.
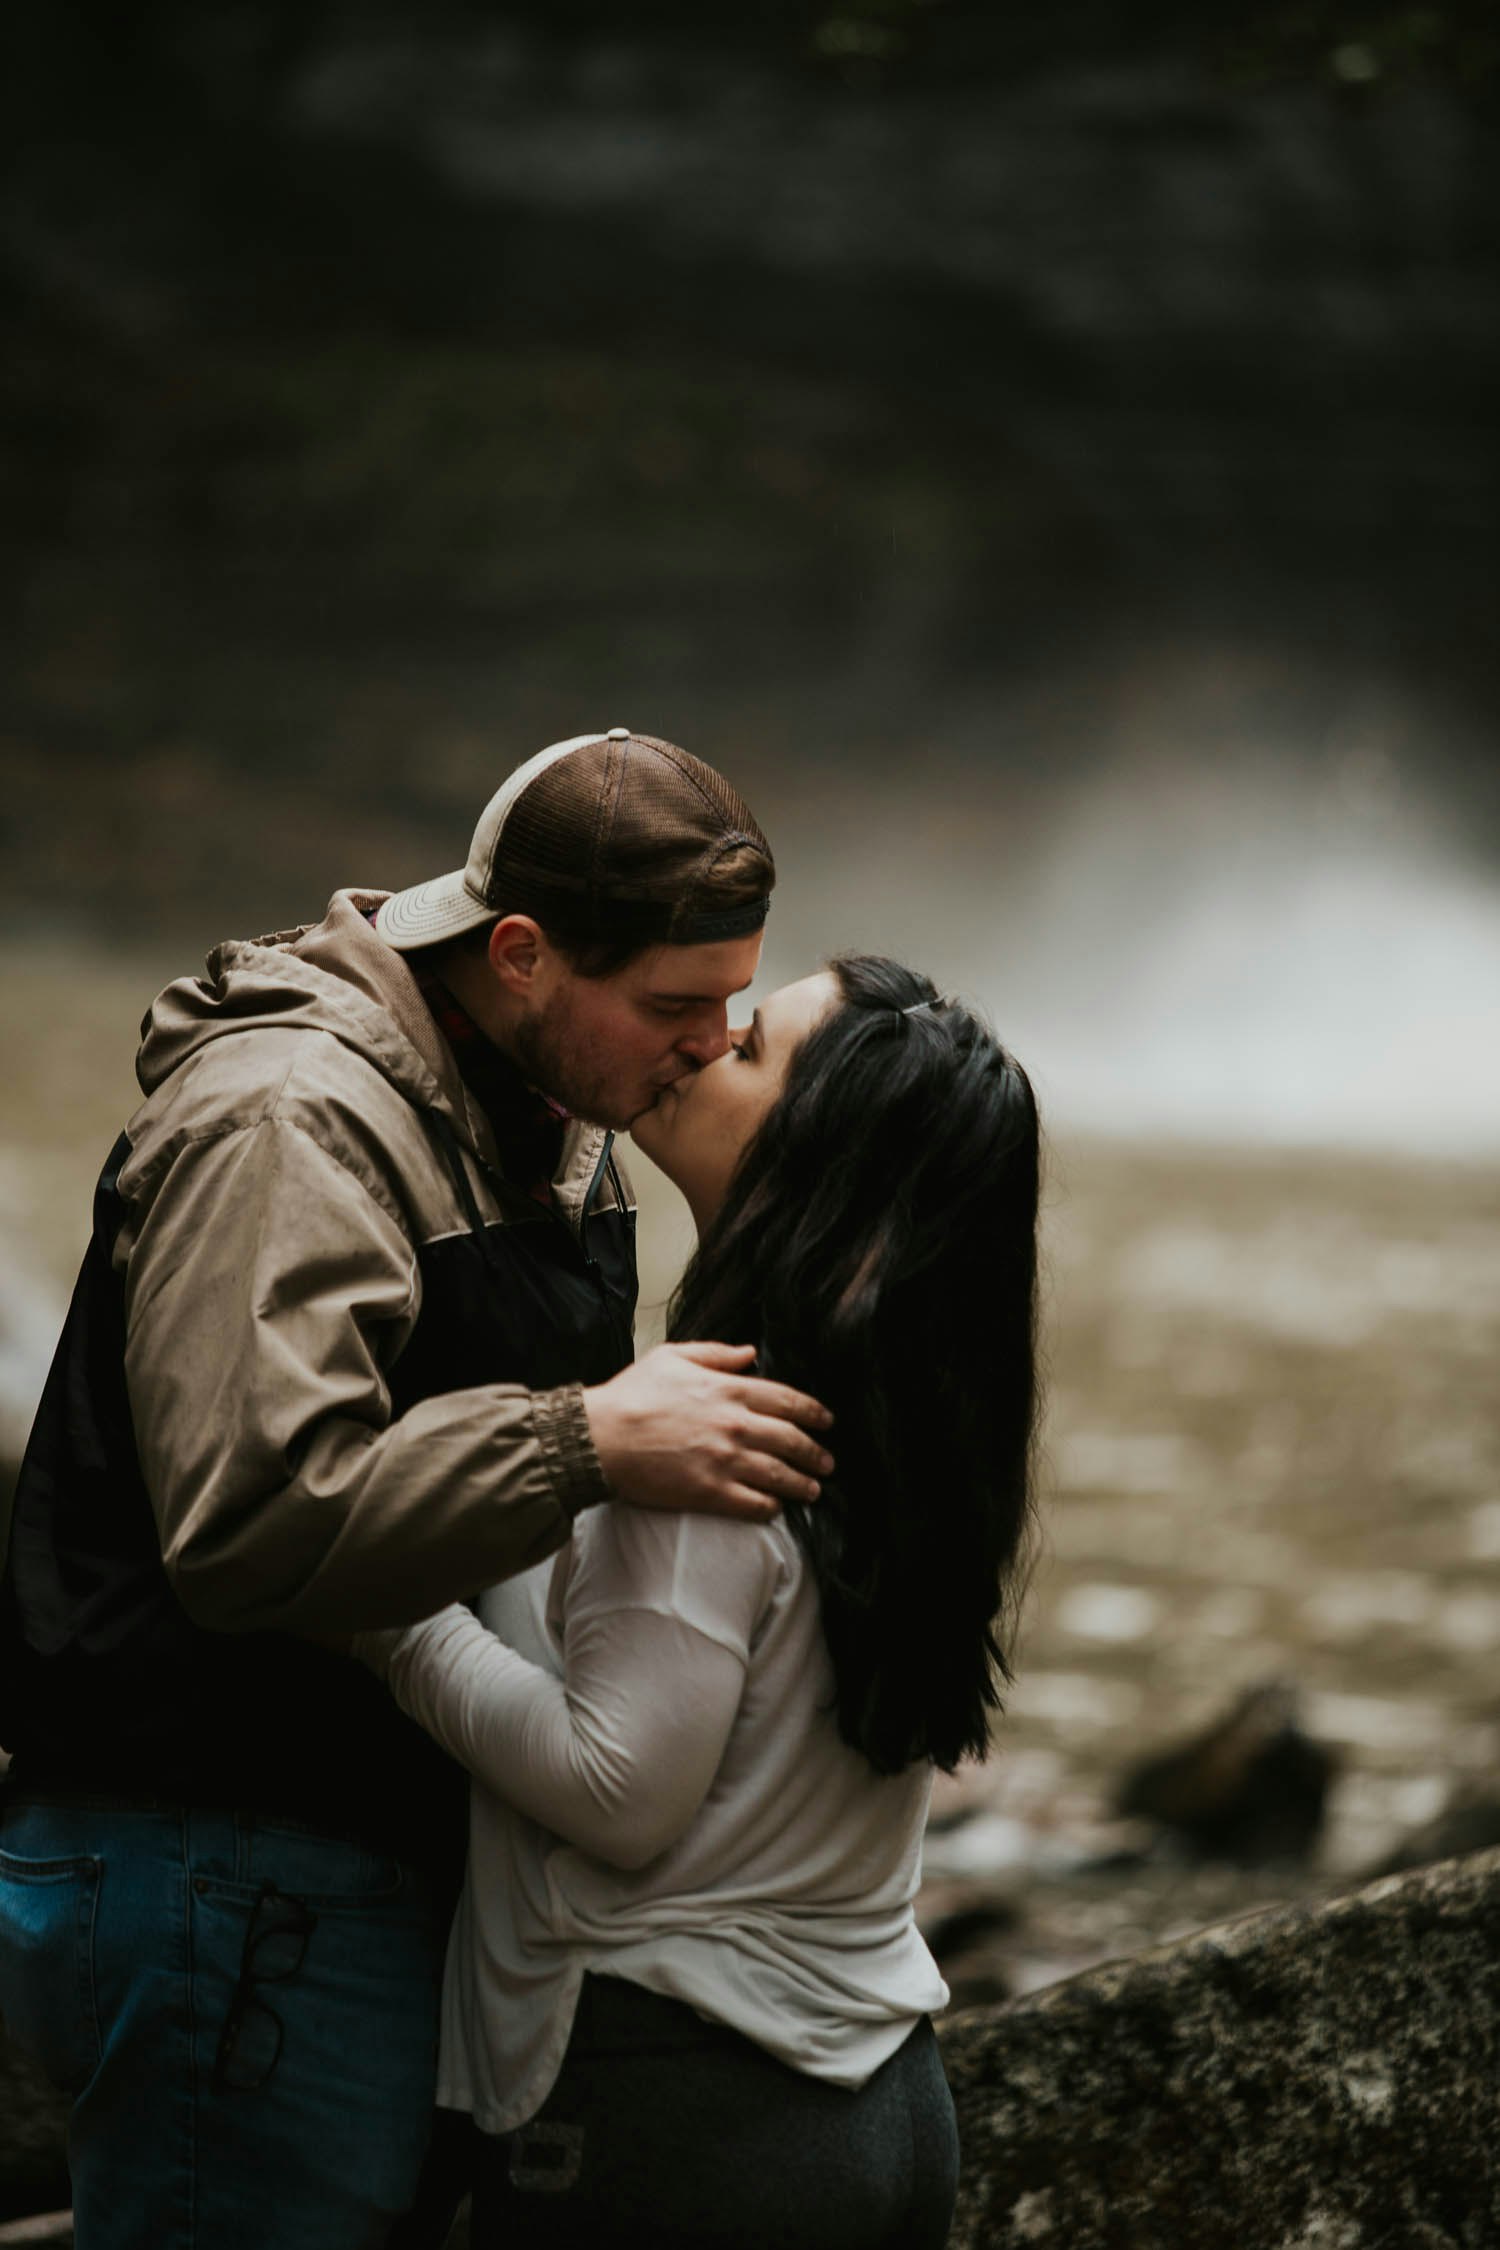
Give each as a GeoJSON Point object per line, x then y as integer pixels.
{"type": "Point", "coordinates": [605, 1047]}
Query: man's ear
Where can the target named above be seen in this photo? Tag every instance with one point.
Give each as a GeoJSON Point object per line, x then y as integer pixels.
{"type": "Point", "coordinates": [519, 954]}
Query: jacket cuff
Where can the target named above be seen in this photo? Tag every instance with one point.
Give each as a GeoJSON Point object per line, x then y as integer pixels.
{"type": "Point", "coordinates": [562, 1428]}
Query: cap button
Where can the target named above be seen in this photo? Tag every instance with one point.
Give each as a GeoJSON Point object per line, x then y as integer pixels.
{"type": "Point", "coordinates": [619, 734]}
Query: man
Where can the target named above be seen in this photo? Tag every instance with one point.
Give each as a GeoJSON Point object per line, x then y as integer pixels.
{"type": "Point", "coordinates": [351, 1339]}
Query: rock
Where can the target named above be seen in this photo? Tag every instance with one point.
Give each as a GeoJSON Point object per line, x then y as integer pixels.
{"type": "Point", "coordinates": [1311, 2078]}
{"type": "Point", "coordinates": [33, 2133]}
{"type": "Point", "coordinates": [1251, 1788]}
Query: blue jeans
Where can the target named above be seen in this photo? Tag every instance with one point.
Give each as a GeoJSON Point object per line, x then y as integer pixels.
{"type": "Point", "coordinates": [245, 2014]}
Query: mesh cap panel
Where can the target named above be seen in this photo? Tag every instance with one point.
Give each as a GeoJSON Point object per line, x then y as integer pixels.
{"type": "Point", "coordinates": [637, 833]}
{"type": "Point", "coordinates": [617, 838]}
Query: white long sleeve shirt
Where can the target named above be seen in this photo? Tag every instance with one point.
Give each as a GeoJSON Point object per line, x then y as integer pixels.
{"type": "Point", "coordinates": [661, 1794]}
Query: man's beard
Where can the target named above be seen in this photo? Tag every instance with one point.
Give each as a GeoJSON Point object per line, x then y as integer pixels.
{"type": "Point", "coordinates": [550, 1055]}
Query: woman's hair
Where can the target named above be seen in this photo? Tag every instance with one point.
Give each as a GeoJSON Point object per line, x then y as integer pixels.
{"type": "Point", "coordinates": [878, 1246]}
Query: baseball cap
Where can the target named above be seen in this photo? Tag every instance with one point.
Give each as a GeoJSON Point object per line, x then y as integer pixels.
{"type": "Point", "coordinates": [616, 835]}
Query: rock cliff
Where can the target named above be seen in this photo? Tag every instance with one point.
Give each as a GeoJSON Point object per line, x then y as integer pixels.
{"type": "Point", "coordinates": [1312, 2078]}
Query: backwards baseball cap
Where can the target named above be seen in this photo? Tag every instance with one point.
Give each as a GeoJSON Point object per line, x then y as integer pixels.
{"type": "Point", "coordinates": [614, 837]}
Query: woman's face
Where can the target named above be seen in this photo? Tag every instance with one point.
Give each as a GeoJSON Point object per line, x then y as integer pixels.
{"type": "Point", "coordinates": [702, 1124]}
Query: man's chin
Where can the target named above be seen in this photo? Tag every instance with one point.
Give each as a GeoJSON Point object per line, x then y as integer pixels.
{"type": "Point", "coordinates": [602, 1118]}
{"type": "Point", "coordinates": [617, 1108]}
{"type": "Point", "coordinates": [649, 1108]}
{"type": "Point", "coordinates": [612, 1115]}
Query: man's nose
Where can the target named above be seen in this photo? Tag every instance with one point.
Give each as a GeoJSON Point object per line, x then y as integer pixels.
{"type": "Point", "coordinates": [707, 1040]}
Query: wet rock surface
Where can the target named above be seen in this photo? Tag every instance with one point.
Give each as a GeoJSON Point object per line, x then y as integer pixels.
{"type": "Point", "coordinates": [1316, 2075]}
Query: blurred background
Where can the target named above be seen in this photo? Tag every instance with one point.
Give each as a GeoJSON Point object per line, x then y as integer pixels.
{"type": "Point", "coordinates": [1050, 460]}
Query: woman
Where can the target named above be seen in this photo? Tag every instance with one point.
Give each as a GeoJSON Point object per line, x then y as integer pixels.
{"type": "Point", "coordinates": [686, 1999]}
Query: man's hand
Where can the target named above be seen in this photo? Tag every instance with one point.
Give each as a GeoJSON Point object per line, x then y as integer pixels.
{"type": "Point", "coordinates": [688, 1427]}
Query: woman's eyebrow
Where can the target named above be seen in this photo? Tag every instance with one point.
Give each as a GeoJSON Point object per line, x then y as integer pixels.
{"type": "Point", "coordinates": [755, 1039]}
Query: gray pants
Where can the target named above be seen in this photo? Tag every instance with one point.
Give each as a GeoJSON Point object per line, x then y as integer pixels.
{"type": "Point", "coordinates": [667, 2130]}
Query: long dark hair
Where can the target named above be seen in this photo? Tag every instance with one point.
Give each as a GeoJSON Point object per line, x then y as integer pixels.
{"type": "Point", "coordinates": [878, 1246]}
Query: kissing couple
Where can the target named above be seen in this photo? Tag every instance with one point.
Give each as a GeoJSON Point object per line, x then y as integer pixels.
{"type": "Point", "coordinates": [451, 1755]}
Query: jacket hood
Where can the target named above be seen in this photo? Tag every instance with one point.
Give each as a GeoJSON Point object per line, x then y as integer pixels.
{"type": "Point", "coordinates": [334, 976]}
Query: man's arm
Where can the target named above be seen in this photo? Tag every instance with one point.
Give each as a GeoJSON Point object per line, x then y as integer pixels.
{"type": "Point", "coordinates": [267, 1291]}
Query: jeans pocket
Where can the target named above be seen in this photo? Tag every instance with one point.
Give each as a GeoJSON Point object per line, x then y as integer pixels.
{"type": "Point", "coordinates": [47, 1909]}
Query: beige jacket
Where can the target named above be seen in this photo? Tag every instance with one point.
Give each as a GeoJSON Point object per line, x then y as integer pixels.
{"type": "Point", "coordinates": [283, 1177]}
